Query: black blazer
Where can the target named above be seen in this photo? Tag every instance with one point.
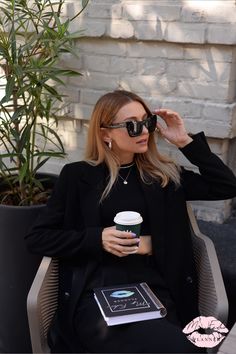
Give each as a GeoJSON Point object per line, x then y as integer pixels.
{"type": "Point", "coordinates": [70, 227]}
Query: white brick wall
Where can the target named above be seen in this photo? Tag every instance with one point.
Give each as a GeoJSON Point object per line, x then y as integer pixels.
{"type": "Point", "coordinates": [177, 54]}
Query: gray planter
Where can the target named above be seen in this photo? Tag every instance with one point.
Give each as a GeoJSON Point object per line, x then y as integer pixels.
{"type": "Point", "coordinates": [17, 271]}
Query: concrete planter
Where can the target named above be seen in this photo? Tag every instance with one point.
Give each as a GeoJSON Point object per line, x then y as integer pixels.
{"type": "Point", "coordinates": [17, 270]}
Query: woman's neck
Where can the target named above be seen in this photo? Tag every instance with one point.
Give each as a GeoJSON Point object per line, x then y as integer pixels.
{"type": "Point", "coordinates": [125, 160]}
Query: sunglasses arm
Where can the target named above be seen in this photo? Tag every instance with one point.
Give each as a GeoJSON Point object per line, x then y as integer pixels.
{"type": "Point", "coordinates": [114, 126]}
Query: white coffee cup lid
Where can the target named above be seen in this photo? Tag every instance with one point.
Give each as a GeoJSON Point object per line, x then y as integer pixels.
{"type": "Point", "coordinates": [128, 218]}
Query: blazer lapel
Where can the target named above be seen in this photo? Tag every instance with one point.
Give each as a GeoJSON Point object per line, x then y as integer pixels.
{"type": "Point", "coordinates": [92, 186]}
{"type": "Point", "coordinates": [155, 200]}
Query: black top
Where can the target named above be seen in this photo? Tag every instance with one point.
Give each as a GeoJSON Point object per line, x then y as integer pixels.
{"type": "Point", "coordinates": [125, 197]}
{"type": "Point", "coordinates": [132, 268]}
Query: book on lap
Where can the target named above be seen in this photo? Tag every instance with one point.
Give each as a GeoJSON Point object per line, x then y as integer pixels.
{"type": "Point", "coordinates": [128, 303]}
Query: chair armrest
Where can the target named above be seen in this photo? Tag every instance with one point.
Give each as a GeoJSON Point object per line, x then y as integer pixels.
{"type": "Point", "coordinates": [213, 300]}
{"type": "Point", "coordinates": [229, 344]}
{"type": "Point", "coordinates": [42, 303]}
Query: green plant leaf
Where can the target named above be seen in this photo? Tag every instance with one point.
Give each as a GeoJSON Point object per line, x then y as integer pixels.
{"type": "Point", "coordinates": [9, 89]}
{"type": "Point", "coordinates": [69, 72]}
{"type": "Point", "coordinates": [23, 171]}
{"type": "Point", "coordinates": [19, 112]}
{"type": "Point", "coordinates": [52, 91]}
{"type": "Point", "coordinates": [49, 154]}
{"type": "Point", "coordinates": [40, 164]}
{"type": "Point", "coordinates": [85, 3]}
{"type": "Point", "coordinates": [24, 140]}
{"type": "Point", "coordinates": [56, 136]}
{"type": "Point", "coordinates": [33, 36]}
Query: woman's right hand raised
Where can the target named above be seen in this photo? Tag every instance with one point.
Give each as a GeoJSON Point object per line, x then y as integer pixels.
{"type": "Point", "coordinates": [119, 243]}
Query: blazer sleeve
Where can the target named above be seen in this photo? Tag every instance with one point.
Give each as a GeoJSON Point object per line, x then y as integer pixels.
{"type": "Point", "coordinates": [215, 181]}
{"type": "Point", "coordinates": [50, 236]}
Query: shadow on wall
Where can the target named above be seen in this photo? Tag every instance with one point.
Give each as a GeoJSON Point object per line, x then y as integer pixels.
{"type": "Point", "coordinates": [232, 154]}
{"type": "Point", "coordinates": [186, 70]}
{"type": "Point", "coordinates": [232, 165]}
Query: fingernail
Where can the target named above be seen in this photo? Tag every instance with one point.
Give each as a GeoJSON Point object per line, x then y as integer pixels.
{"type": "Point", "coordinates": [133, 234]}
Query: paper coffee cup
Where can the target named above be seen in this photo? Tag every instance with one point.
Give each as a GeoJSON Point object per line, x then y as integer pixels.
{"type": "Point", "coordinates": [129, 221]}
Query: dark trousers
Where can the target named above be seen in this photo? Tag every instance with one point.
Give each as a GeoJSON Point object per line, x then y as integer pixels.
{"type": "Point", "coordinates": [151, 336]}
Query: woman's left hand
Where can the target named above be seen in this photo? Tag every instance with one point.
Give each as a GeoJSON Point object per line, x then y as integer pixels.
{"type": "Point", "coordinates": [174, 131]}
{"type": "Point", "coordinates": [145, 245]}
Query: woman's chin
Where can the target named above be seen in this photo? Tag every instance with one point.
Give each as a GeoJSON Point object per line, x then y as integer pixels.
{"type": "Point", "coordinates": [142, 148]}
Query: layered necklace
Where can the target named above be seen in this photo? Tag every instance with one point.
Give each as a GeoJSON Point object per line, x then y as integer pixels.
{"type": "Point", "coordinates": [125, 180]}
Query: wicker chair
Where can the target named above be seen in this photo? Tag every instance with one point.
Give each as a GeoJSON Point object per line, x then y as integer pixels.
{"type": "Point", "coordinates": [42, 303]}
{"type": "Point", "coordinates": [42, 297]}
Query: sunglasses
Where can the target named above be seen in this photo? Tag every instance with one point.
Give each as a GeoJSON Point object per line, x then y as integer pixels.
{"type": "Point", "coordinates": [135, 128]}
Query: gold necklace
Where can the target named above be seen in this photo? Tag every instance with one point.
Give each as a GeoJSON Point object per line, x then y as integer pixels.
{"type": "Point", "coordinates": [125, 180]}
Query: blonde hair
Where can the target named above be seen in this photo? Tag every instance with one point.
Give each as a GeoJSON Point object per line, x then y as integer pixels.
{"type": "Point", "coordinates": [151, 165]}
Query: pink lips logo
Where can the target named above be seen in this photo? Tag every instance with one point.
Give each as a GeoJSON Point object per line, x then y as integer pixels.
{"type": "Point", "coordinates": [205, 340]}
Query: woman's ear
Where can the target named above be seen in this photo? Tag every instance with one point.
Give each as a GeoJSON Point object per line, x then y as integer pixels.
{"type": "Point", "coordinates": [105, 135]}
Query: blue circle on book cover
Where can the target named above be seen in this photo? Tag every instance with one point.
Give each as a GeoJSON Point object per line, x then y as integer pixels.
{"type": "Point", "coordinates": [121, 293]}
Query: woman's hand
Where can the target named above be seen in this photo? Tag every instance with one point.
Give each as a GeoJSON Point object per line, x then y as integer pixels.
{"type": "Point", "coordinates": [119, 243]}
{"type": "Point", "coordinates": [145, 245]}
{"type": "Point", "coordinates": [174, 131]}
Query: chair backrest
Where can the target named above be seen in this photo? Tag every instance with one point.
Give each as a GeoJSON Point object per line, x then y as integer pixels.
{"type": "Point", "coordinates": [42, 303]}
{"type": "Point", "coordinates": [212, 300]}
{"type": "Point", "coordinates": [43, 295]}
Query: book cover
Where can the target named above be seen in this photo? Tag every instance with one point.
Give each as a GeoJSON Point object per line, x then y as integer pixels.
{"type": "Point", "coordinates": [128, 303]}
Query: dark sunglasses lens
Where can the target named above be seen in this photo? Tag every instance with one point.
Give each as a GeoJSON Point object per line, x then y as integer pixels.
{"type": "Point", "coordinates": [151, 123]}
{"type": "Point", "coordinates": [134, 128]}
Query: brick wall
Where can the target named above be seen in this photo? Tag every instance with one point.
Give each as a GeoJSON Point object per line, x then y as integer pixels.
{"type": "Point", "coordinates": [176, 54]}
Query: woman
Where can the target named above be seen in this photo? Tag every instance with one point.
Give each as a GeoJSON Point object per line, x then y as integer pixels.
{"type": "Point", "coordinates": [124, 171]}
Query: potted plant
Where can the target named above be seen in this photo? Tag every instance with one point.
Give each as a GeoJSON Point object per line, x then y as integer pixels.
{"type": "Point", "coordinates": [33, 36]}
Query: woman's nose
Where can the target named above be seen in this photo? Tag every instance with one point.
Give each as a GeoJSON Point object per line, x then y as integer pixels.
{"type": "Point", "coordinates": [145, 130]}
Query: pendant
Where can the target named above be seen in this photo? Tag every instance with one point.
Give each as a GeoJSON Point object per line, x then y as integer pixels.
{"type": "Point", "coordinates": [125, 182]}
